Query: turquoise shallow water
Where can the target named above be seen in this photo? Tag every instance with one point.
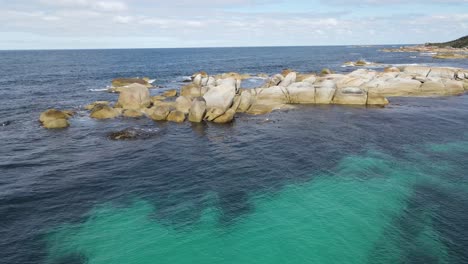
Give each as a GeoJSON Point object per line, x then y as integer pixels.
{"type": "Point", "coordinates": [357, 212]}
{"type": "Point", "coordinates": [315, 184]}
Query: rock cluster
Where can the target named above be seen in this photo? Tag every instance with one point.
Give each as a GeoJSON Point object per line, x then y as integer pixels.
{"type": "Point", "coordinates": [219, 99]}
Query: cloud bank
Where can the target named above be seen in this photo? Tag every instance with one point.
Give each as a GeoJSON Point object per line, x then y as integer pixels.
{"type": "Point", "coordinates": [56, 24]}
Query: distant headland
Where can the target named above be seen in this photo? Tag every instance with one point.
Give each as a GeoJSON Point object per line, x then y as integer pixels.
{"type": "Point", "coordinates": [456, 49]}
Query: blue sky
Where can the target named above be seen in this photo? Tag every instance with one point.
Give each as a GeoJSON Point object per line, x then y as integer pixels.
{"type": "Point", "coordinates": [70, 24]}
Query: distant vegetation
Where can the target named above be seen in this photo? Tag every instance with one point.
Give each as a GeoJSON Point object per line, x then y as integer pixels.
{"type": "Point", "coordinates": [459, 43]}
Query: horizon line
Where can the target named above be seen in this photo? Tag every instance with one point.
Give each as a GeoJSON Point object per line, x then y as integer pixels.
{"type": "Point", "coordinates": [208, 47]}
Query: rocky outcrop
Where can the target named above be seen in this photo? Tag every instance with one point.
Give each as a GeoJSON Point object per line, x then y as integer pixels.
{"type": "Point", "coordinates": [197, 110]}
{"type": "Point", "coordinates": [218, 99]}
{"type": "Point", "coordinates": [54, 119]}
{"type": "Point", "coordinates": [134, 96]}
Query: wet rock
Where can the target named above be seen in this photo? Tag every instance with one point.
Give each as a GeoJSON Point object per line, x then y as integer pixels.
{"type": "Point", "coordinates": [213, 113]}
{"type": "Point", "coordinates": [133, 134]}
{"type": "Point", "coordinates": [56, 124]}
{"type": "Point", "coordinates": [176, 116]}
{"type": "Point", "coordinates": [54, 119]}
{"type": "Point", "coordinates": [159, 113]}
{"type": "Point", "coordinates": [5, 123]}
{"type": "Point", "coordinates": [104, 112]}
{"type": "Point", "coordinates": [227, 117]}
{"type": "Point", "coordinates": [92, 105]}
{"type": "Point", "coordinates": [132, 113]}
{"type": "Point", "coordinates": [197, 110]}
{"type": "Point", "coordinates": [245, 101]}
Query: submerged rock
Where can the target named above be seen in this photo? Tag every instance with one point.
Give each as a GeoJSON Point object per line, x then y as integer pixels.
{"type": "Point", "coordinates": [5, 123]}
{"type": "Point", "coordinates": [121, 82]}
{"type": "Point", "coordinates": [133, 134]}
{"type": "Point", "coordinates": [91, 106]}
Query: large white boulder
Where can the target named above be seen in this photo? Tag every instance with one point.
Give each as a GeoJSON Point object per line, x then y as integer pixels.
{"type": "Point", "coordinates": [222, 95]}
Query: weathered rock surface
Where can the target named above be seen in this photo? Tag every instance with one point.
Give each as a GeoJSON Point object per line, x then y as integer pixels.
{"type": "Point", "coordinates": [218, 99]}
{"type": "Point", "coordinates": [92, 105]}
{"type": "Point", "coordinates": [134, 96]}
{"type": "Point", "coordinates": [54, 119]}
{"type": "Point", "coordinates": [176, 116]}
{"type": "Point", "coordinates": [170, 93]}
{"type": "Point", "coordinates": [245, 101]}
{"type": "Point", "coordinates": [222, 95]}
{"type": "Point", "coordinates": [350, 96]}
{"type": "Point", "coordinates": [325, 92]}
{"type": "Point", "coordinates": [183, 104]}
{"type": "Point", "coordinates": [227, 117]}
{"type": "Point", "coordinates": [288, 80]}
{"type": "Point", "coordinates": [213, 113]}
{"type": "Point", "coordinates": [159, 113]}
{"type": "Point", "coordinates": [132, 113]}
{"type": "Point", "coordinates": [197, 110]}
{"type": "Point", "coordinates": [301, 93]}
{"type": "Point", "coordinates": [104, 112]}
{"type": "Point", "coordinates": [121, 82]}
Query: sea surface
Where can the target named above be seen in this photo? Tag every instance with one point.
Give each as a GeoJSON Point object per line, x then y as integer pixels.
{"type": "Point", "coordinates": [314, 184]}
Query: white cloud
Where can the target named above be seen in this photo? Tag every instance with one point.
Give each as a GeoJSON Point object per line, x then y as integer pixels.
{"type": "Point", "coordinates": [107, 6]}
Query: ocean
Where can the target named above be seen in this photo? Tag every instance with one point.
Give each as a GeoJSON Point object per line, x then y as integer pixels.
{"type": "Point", "coordinates": [314, 184]}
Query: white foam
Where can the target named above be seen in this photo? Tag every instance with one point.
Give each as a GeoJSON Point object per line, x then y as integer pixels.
{"type": "Point", "coordinates": [98, 90]}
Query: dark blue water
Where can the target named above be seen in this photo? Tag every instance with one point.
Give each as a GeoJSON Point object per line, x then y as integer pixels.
{"type": "Point", "coordinates": [51, 179]}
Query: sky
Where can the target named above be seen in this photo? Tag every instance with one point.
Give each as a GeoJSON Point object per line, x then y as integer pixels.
{"type": "Point", "coordinates": [88, 24]}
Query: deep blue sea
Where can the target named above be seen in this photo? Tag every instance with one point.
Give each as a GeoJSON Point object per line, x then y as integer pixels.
{"type": "Point", "coordinates": [315, 184]}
